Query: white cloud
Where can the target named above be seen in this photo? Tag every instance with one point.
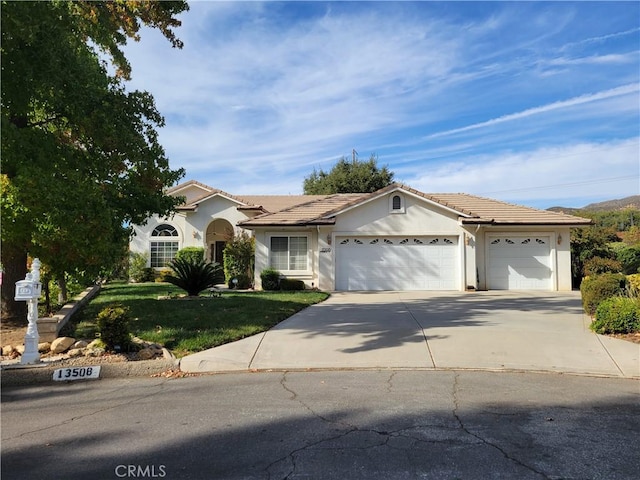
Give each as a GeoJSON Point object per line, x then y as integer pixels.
{"type": "Point", "coordinates": [563, 104]}
{"type": "Point", "coordinates": [604, 170]}
{"type": "Point", "coordinates": [264, 92]}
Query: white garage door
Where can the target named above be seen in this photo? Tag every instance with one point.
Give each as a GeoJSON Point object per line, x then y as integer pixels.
{"type": "Point", "coordinates": [397, 263]}
{"type": "Point", "coordinates": [519, 263]}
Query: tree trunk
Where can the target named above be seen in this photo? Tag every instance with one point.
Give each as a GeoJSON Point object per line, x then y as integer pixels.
{"type": "Point", "coordinates": [62, 294]}
{"type": "Point", "coordinates": [47, 293]}
{"type": "Point", "coordinates": [14, 265]}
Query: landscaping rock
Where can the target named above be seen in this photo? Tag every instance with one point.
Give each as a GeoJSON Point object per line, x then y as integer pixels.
{"type": "Point", "coordinates": [94, 352]}
{"type": "Point", "coordinates": [44, 347]}
{"type": "Point", "coordinates": [7, 350]}
{"type": "Point", "coordinates": [80, 344]}
{"type": "Point", "coordinates": [167, 355]}
{"type": "Point", "coordinates": [146, 354]}
{"type": "Point", "coordinates": [75, 352]}
{"type": "Point", "coordinates": [19, 349]}
{"type": "Point", "coordinates": [62, 344]}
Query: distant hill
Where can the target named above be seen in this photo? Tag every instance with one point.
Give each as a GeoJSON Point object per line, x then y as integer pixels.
{"type": "Point", "coordinates": [620, 204]}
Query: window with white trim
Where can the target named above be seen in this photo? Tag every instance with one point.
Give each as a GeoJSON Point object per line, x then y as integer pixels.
{"type": "Point", "coordinates": [288, 253]}
{"type": "Point", "coordinates": [164, 245]}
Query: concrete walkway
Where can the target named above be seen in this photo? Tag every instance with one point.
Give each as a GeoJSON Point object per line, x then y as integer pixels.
{"type": "Point", "coordinates": [533, 331]}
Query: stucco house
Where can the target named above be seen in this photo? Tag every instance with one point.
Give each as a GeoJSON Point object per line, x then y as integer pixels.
{"type": "Point", "coordinates": [397, 238]}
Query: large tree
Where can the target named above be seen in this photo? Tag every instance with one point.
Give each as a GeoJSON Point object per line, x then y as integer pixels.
{"type": "Point", "coordinates": [349, 176]}
{"type": "Point", "coordinates": [80, 153]}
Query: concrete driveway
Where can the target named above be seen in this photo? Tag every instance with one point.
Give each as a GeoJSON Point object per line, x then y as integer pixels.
{"type": "Point", "coordinates": [533, 331]}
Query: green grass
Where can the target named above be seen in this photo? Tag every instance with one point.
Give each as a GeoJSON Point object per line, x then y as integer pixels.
{"type": "Point", "coordinates": [190, 325]}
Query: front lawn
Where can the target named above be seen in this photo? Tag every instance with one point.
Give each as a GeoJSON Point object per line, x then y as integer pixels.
{"type": "Point", "coordinates": [190, 325]}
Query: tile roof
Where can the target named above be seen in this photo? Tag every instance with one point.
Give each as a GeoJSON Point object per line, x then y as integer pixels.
{"type": "Point", "coordinates": [315, 211]}
{"type": "Point", "coordinates": [276, 203]}
{"type": "Point", "coordinates": [486, 210]}
{"type": "Point", "coordinates": [264, 203]}
{"type": "Point", "coordinates": [300, 210]}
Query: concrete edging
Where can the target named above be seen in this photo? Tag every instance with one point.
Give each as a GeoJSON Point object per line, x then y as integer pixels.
{"type": "Point", "coordinates": [49, 327]}
{"type": "Point", "coordinates": [19, 375]}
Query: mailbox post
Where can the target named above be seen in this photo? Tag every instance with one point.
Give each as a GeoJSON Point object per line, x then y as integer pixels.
{"type": "Point", "coordinates": [29, 290]}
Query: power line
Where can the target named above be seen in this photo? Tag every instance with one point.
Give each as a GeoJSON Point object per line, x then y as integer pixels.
{"type": "Point", "coordinates": [574, 184]}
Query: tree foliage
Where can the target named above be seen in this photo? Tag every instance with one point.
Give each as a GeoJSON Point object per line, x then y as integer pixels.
{"type": "Point", "coordinates": [587, 243]}
{"type": "Point", "coordinates": [349, 176]}
{"type": "Point", "coordinates": [191, 254]}
{"type": "Point", "coordinates": [616, 220]}
{"type": "Point", "coordinates": [80, 154]}
{"type": "Point", "coordinates": [239, 255]}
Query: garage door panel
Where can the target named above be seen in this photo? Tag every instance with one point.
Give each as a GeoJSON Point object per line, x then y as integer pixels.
{"type": "Point", "coordinates": [519, 263]}
{"type": "Point", "coordinates": [397, 263]}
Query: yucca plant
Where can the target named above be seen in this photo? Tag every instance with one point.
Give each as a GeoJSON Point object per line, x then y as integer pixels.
{"type": "Point", "coordinates": [194, 276]}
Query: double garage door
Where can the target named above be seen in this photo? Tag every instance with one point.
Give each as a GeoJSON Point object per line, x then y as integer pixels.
{"type": "Point", "coordinates": [433, 263]}
{"type": "Point", "coordinates": [519, 262]}
{"type": "Point", "coordinates": [397, 263]}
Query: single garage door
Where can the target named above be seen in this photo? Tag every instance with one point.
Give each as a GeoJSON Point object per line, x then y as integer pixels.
{"type": "Point", "coordinates": [397, 263]}
{"type": "Point", "coordinates": [519, 263]}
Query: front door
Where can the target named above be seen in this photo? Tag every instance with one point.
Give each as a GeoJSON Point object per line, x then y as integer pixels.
{"type": "Point", "coordinates": [217, 250]}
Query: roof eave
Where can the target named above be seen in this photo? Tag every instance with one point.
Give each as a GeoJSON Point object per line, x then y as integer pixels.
{"type": "Point", "coordinates": [310, 223]}
{"type": "Point", "coordinates": [472, 221]}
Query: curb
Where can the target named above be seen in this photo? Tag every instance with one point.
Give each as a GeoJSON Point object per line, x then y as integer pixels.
{"type": "Point", "coordinates": [42, 374]}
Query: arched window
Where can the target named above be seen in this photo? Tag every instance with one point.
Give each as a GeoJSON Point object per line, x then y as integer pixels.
{"type": "Point", "coordinates": [164, 245]}
{"type": "Point", "coordinates": [164, 230]}
{"type": "Point", "coordinates": [396, 204]}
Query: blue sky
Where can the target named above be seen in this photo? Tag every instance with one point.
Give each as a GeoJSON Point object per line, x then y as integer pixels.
{"type": "Point", "coordinates": [530, 103]}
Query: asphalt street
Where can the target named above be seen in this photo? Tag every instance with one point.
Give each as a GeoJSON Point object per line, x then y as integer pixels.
{"type": "Point", "coordinates": [380, 424]}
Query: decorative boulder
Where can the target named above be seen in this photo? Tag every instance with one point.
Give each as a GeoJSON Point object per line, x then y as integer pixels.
{"type": "Point", "coordinates": [62, 344]}
{"type": "Point", "coordinates": [146, 354]}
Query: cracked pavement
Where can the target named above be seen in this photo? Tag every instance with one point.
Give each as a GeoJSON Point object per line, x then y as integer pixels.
{"type": "Point", "coordinates": [387, 424]}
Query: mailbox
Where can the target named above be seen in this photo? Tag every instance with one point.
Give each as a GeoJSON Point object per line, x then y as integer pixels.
{"type": "Point", "coordinates": [27, 290]}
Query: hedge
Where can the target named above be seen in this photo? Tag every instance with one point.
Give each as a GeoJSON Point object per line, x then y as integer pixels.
{"type": "Point", "coordinates": [291, 284]}
{"type": "Point", "coordinates": [270, 278]}
{"type": "Point", "coordinates": [597, 288]}
{"type": "Point", "coordinates": [617, 315]}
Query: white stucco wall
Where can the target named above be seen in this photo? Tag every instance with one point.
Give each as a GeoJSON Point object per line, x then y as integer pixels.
{"type": "Point", "coordinates": [140, 241]}
{"type": "Point", "coordinates": [563, 252]}
{"type": "Point", "coordinates": [191, 225]}
{"type": "Point", "coordinates": [263, 239]}
{"type": "Point", "coordinates": [419, 218]}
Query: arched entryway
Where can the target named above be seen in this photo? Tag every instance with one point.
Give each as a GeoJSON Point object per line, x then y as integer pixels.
{"type": "Point", "coordinates": [218, 232]}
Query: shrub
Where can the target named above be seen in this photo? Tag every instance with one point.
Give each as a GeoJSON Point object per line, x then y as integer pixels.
{"type": "Point", "coordinates": [239, 259]}
{"type": "Point", "coordinates": [113, 326]}
{"type": "Point", "coordinates": [194, 277]}
{"type": "Point", "coordinates": [191, 254]}
{"type": "Point", "coordinates": [270, 279]}
{"type": "Point", "coordinates": [291, 284]}
{"type": "Point", "coordinates": [617, 315]}
{"type": "Point", "coordinates": [600, 287]}
{"type": "Point", "coordinates": [629, 258]}
{"type": "Point", "coordinates": [599, 265]}
{"type": "Point", "coordinates": [244, 282]}
{"type": "Point", "coordinates": [138, 270]}
{"type": "Point", "coordinates": [633, 285]}
{"type": "Point", "coordinates": [161, 275]}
